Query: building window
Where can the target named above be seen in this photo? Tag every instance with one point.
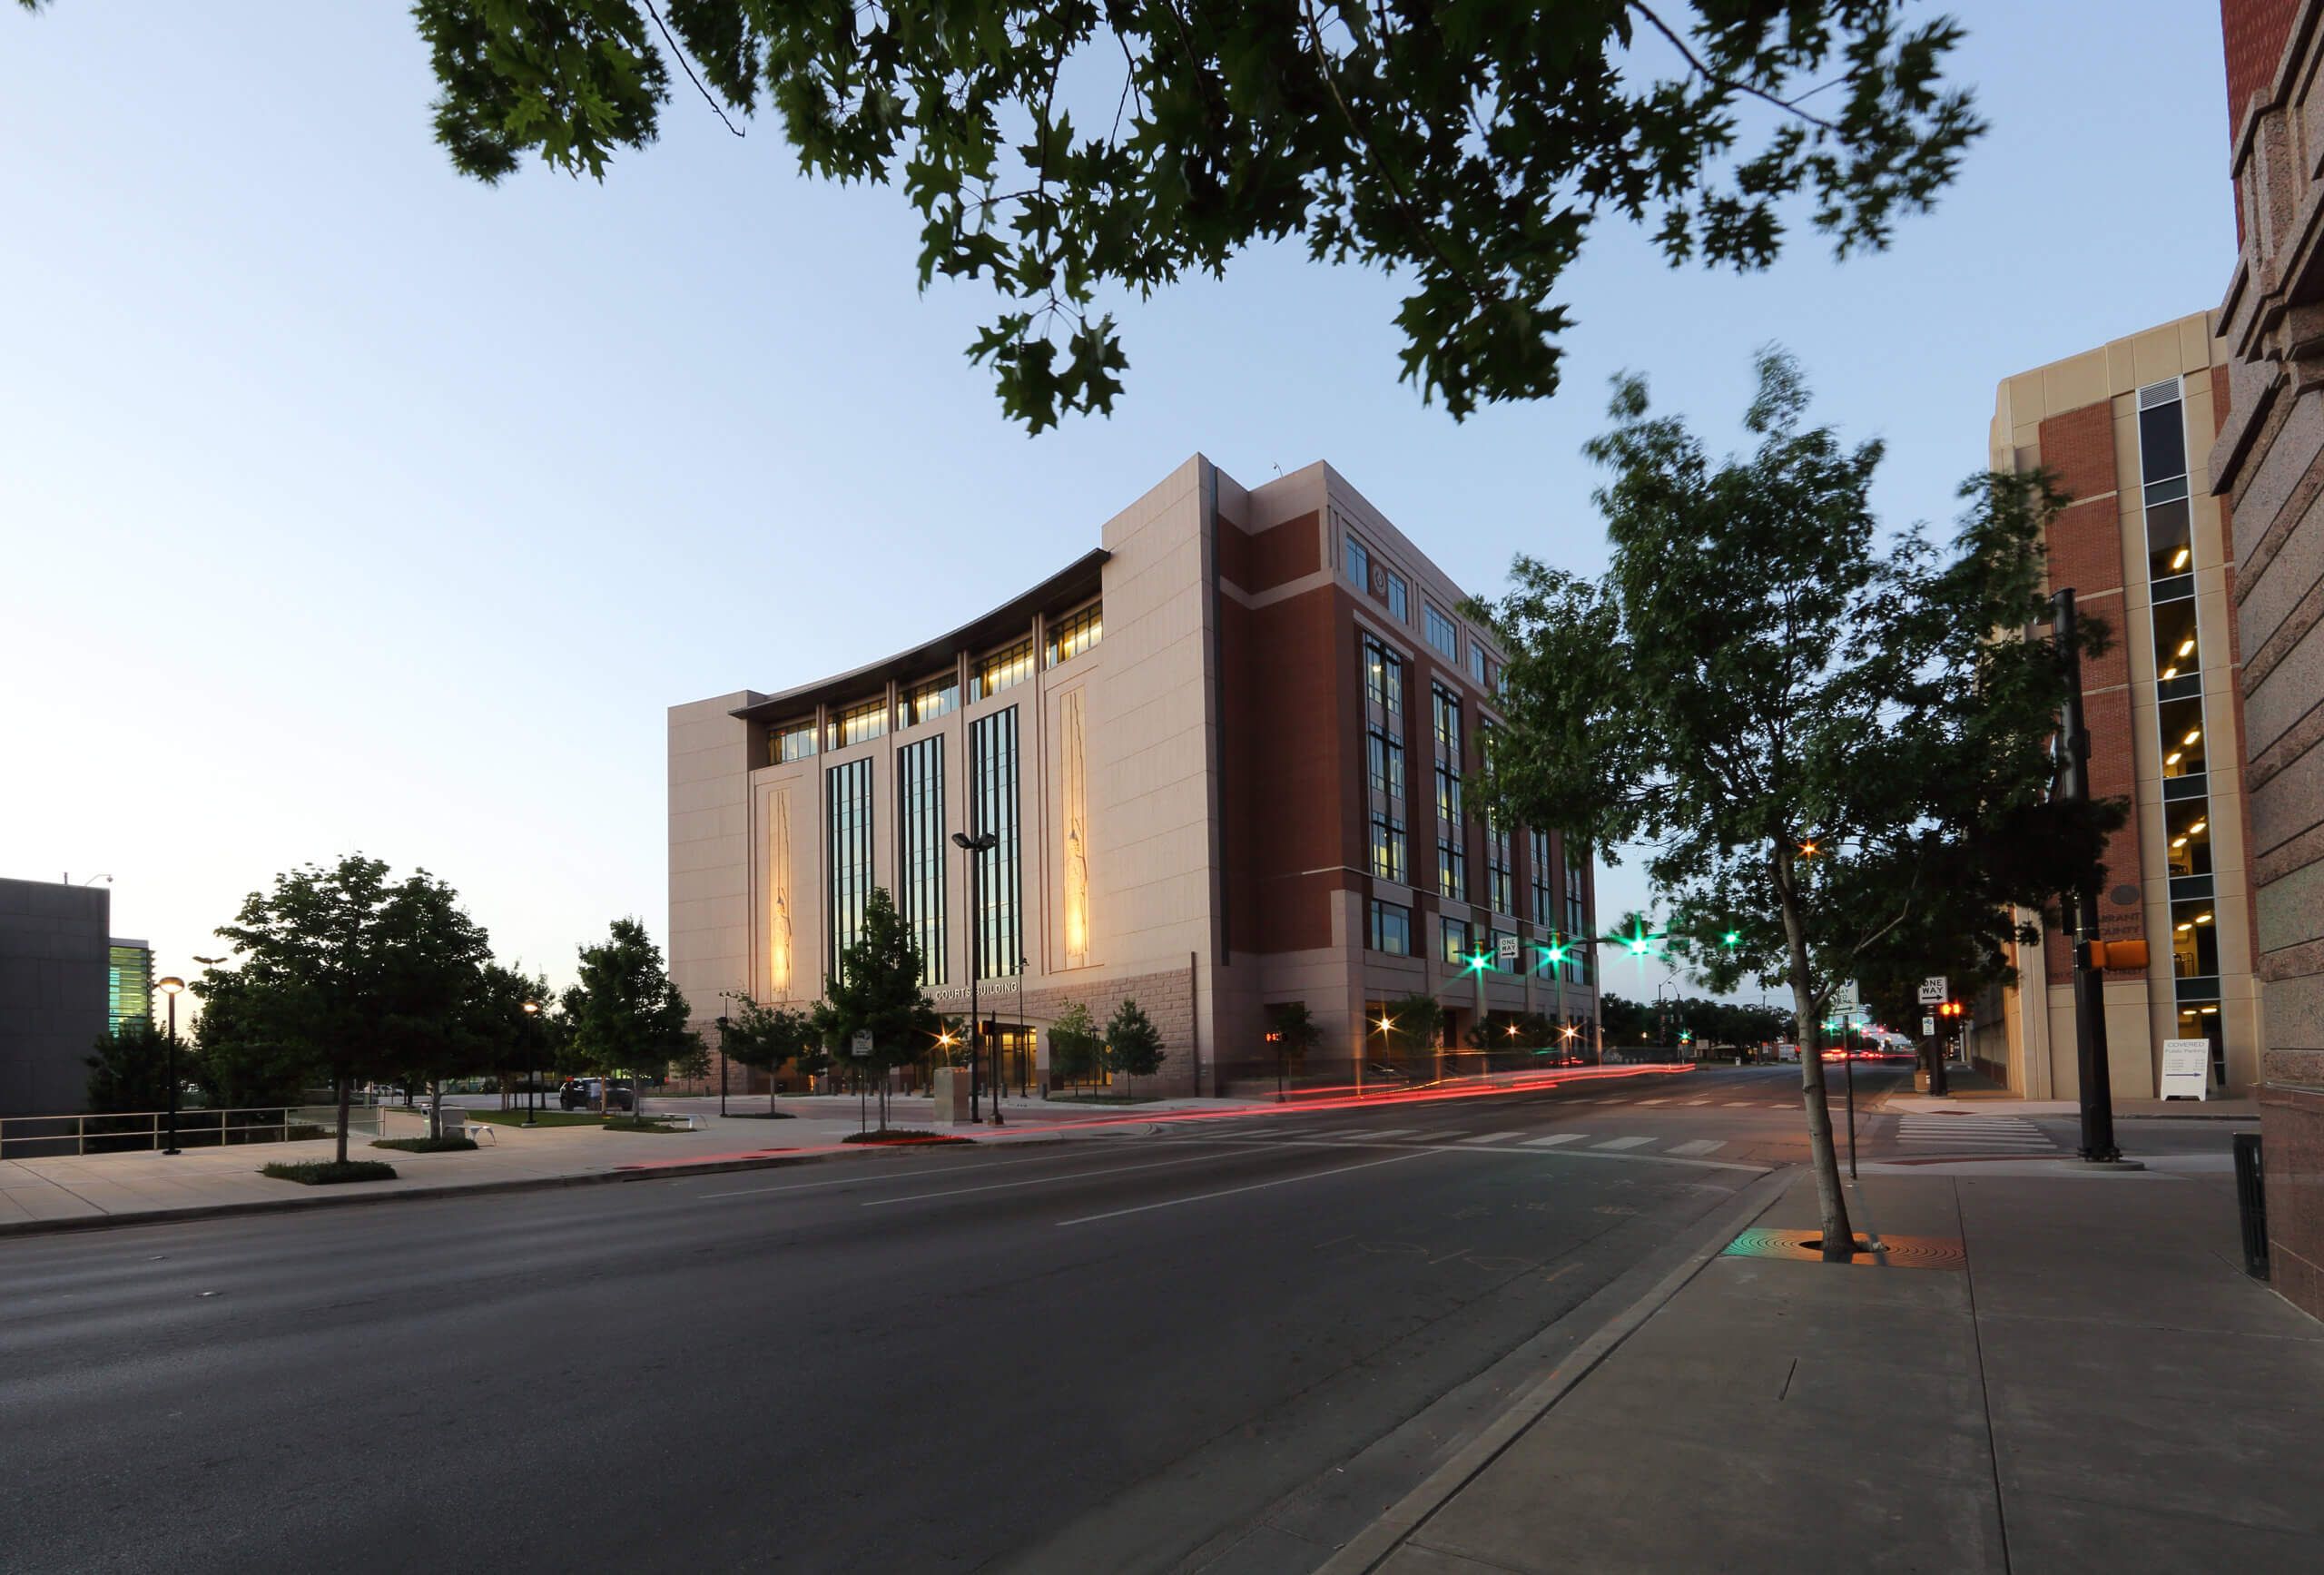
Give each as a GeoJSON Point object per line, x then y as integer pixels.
{"type": "Point", "coordinates": [1075, 633]}
{"type": "Point", "coordinates": [791, 741]}
{"type": "Point", "coordinates": [1391, 929]}
{"type": "Point", "coordinates": [2162, 471]}
{"type": "Point", "coordinates": [2195, 939]}
{"type": "Point", "coordinates": [2182, 722]}
{"type": "Point", "coordinates": [1577, 927]}
{"type": "Point", "coordinates": [2187, 827]}
{"type": "Point", "coordinates": [993, 807]}
{"type": "Point", "coordinates": [1388, 848]}
{"type": "Point", "coordinates": [1457, 940]}
{"type": "Point", "coordinates": [1003, 669]}
{"type": "Point", "coordinates": [1398, 600]}
{"type": "Point", "coordinates": [1477, 665]}
{"type": "Point", "coordinates": [848, 880]}
{"type": "Point", "coordinates": [927, 702]}
{"type": "Point", "coordinates": [1383, 680]}
{"type": "Point", "coordinates": [1355, 561]}
{"type": "Point", "coordinates": [919, 851]}
{"type": "Point", "coordinates": [1443, 634]}
{"type": "Point", "coordinates": [1545, 896]}
{"type": "Point", "coordinates": [1501, 879]}
{"type": "Point", "coordinates": [859, 722]}
{"type": "Point", "coordinates": [1451, 852]}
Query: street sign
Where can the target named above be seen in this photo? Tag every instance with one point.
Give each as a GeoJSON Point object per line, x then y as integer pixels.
{"type": "Point", "coordinates": [1928, 1027]}
{"type": "Point", "coordinates": [1933, 990]}
{"type": "Point", "coordinates": [2186, 1068]}
{"type": "Point", "coordinates": [1845, 997]}
{"type": "Point", "coordinates": [862, 1047]}
{"type": "Point", "coordinates": [1504, 949]}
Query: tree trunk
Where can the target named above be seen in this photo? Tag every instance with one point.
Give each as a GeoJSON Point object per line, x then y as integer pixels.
{"type": "Point", "coordinates": [342, 1118]}
{"type": "Point", "coordinates": [1831, 1203]}
{"type": "Point", "coordinates": [436, 1108]}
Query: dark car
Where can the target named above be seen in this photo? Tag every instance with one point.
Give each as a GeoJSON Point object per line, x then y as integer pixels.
{"type": "Point", "coordinates": [581, 1094]}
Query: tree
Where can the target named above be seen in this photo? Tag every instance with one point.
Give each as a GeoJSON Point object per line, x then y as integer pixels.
{"type": "Point", "coordinates": [235, 1060]}
{"type": "Point", "coordinates": [1066, 151]}
{"type": "Point", "coordinates": [1076, 1050]}
{"type": "Point", "coordinates": [876, 989]}
{"type": "Point", "coordinates": [1133, 1044]}
{"type": "Point", "coordinates": [435, 1006]}
{"type": "Point", "coordinates": [764, 1037]}
{"type": "Point", "coordinates": [343, 972]}
{"type": "Point", "coordinates": [1416, 1023]}
{"type": "Point", "coordinates": [130, 1070]}
{"type": "Point", "coordinates": [1294, 1031]}
{"type": "Point", "coordinates": [1796, 716]}
{"type": "Point", "coordinates": [510, 1040]}
{"type": "Point", "coordinates": [624, 1016]}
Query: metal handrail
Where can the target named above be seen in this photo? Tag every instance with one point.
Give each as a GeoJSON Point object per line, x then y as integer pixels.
{"type": "Point", "coordinates": [121, 1132]}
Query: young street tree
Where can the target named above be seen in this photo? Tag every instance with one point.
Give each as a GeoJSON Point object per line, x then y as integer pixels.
{"type": "Point", "coordinates": [1133, 1044]}
{"type": "Point", "coordinates": [764, 1037]}
{"type": "Point", "coordinates": [344, 973]}
{"type": "Point", "coordinates": [877, 988]}
{"type": "Point", "coordinates": [624, 1016]}
{"type": "Point", "coordinates": [1077, 155]}
{"type": "Point", "coordinates": [1076, 1050]}
{"type": "Point", "coordinates": [1814, 731]}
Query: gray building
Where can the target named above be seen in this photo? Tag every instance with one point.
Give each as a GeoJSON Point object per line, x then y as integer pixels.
{"type": "Point", "coordinates": [55, 987]}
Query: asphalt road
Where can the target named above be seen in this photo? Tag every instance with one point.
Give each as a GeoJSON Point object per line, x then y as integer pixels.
{"type": "Point", "coordinates": [1109, 1353]}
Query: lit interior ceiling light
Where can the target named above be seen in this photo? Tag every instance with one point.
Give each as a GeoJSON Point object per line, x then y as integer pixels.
{"type": "Point", "coordinates": [2186, 926]}
{"type": "Point", "coordinates": [2172, 759]}
{"type": "Point", "coordinates": [2198, 826]}
{"type": "Point", "coordinates": [2170, 671]}
{"type": "Point", "coordinates": [2210, 1010]}
{"type": "Point", "coordinates": [2179, 559]}
{"type": "Point", "coordinates": [2178, 842]}
{"type": "Point", "coordinates": [2203, 919]}
{"type": "Point", "coordinates": [2187, 646]}
{"type": "Point", "coordinates": [2192, 734]}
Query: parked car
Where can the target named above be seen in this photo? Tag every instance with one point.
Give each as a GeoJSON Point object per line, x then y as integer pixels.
{"type": "Point", "coordinates": [581, 1094]}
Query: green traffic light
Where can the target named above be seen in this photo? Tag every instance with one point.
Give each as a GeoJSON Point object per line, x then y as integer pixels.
{"type": "Point", "coordinates": [1732, 937]}
{"type": "Point", "coordinates": [1479, 962]}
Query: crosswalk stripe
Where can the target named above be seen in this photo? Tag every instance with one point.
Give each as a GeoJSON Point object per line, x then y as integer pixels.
{"type": "Point", "coordinates": [1621, 1143]}
{"type": "Point", "coordinates": [1980, 1142]}
{"type": "Point", "coordinates": [1489, 1138]}
{"type": "Point", "coordinates": [1553, 1138]}
{"type": "Point", "coordinates": [1699, 1145]}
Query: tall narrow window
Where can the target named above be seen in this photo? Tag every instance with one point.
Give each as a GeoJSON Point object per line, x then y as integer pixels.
{"type": "Point", "coordinates": [847, 791]}
{"type": "Point", "coordinates": [1443, 634]}
{"type": "Point", "coordinates": [919, 851]}
{"type": "Point", "coordinates": [1398, 597]}
{"type": "Point", "coordinates": [1544, 881]}
{"type": "Point", "coordinates": [1384, 789]}
{"type": "Point", "coordinates": [999, 872]}
{"type": "Point", "coordinates": [1576, 925]}
{"type": "Point", "coordinates": [1501, 879]}
{"type": "Point", "coordinates": [1458, 939]}
{"type": "Point", "coordinates": [1452, 852]}
{"type": "Point", "coordinates": [1355, 560]}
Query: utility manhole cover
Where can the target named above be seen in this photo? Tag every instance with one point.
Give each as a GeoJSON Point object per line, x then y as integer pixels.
{"type": "Point", "coordinates": [1896, 1251]}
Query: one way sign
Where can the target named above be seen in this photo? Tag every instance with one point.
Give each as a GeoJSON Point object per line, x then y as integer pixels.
{"type": "Point", "coordinates": [1933, 990]}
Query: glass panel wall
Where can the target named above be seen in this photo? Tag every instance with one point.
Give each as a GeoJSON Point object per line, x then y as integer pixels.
{"type": "Point", "coordinates": [848, 865]}
{"type": "Point", "coordinates": [864, 720]}
{"type": "Point", "coordinates": [928, 701]}
{"type": "Point", "coordinates": [1451, 852]}
{"type": "Point", "coordinates": [1003, 669]}
{"type": "Point", "coordinates": [791, 741]}
{"type": "Point", "coordinates": [1075, 633]}
{"type": "Point", "coordinates": [1384, 785]}
{"type": "Point", "coordinates": [919, 851]}
{"type": "Point", "coordinates": [999, 872]}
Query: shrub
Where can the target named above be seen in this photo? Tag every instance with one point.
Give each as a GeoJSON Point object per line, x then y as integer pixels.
{"type": "Point", "coordinates": [424, 1145]}
{"type": "Point", "coordinates": [901, 1135]}
{"type": "Point", "coordinates": [327, 1172]}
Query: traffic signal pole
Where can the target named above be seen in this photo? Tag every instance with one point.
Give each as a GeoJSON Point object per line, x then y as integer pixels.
{"type": "Point", "coordinates": [2089, 981]}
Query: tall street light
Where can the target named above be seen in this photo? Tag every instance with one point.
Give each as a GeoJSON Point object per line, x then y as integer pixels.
{"type": "Point", "coordinates": [975, 847]}
{"type": "Point", "coordinates": [171, 987]}
{"type": "Point", "coordinates": [532, 1071]}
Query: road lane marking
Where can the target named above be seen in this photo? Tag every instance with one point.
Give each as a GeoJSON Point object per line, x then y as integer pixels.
{"type": "Point", "coordinates": [1254, 1187]}
{"type": "Point", "coordinates": [1037, 1180]}
{"type": "Point", "coordinates": [1489, 1138]}
{"type": "Point", "coordinates": [1699, 1145]}
{"type": "Point", "coordinates": [1553, 1138]}
{"type": "Point", "coordinates": [1611, 1143]}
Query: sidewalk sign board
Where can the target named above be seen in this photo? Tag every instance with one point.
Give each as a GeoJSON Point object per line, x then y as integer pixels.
{"type": "Point", "coordinates": [2186, 1068]}
{"type": "Point", "coordinates": [1928, 1027]}
{"type": "Point", "coordinates": [1933, 990]}
{"type": "Point", "coordinates": [862, 1049]}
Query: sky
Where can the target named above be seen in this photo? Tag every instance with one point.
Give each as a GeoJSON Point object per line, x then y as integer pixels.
{"type": "Point", "coordinates": [347, 504]}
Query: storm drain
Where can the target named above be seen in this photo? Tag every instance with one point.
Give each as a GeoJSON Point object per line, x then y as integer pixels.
{"type": "Point", "coordinates": [1894, 1252]}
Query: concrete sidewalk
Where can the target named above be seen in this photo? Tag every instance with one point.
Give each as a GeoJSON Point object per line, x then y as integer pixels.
{"type": "Point", "coordinates": [76, 1191]}
{"type": "Point", "coordinates": [2078, 1376]}
{"type": "Point", "coordinates": [1909, 1103]}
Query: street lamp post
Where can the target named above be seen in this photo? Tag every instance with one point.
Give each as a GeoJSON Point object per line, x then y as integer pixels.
{"type": "Point", "coordinates": [171, 987]}
{"type": "Point", "coordinates": [722, 1066]}
{"type": "Point", "coordinates": [532, 1070]}
{"type": "Point", "coordinates": [981, 843]}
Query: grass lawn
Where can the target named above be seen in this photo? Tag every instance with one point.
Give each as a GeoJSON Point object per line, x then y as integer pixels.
{"type": "Point", "coordinates": [325, 1172]}
{"type": "Point", "coordinates": [543, 1118]}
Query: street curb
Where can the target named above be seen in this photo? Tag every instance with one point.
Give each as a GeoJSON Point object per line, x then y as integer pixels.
{"type": "Point", "coordinates": [465, 1189]}
{"type": "Point", "coordinates": [1372, 1546]}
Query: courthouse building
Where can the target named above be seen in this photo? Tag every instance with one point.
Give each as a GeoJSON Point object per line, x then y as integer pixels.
{"type": "Point", "coordinates": [2126, 430]}
{"type": "Point", "coordinates": [1222, 755]}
